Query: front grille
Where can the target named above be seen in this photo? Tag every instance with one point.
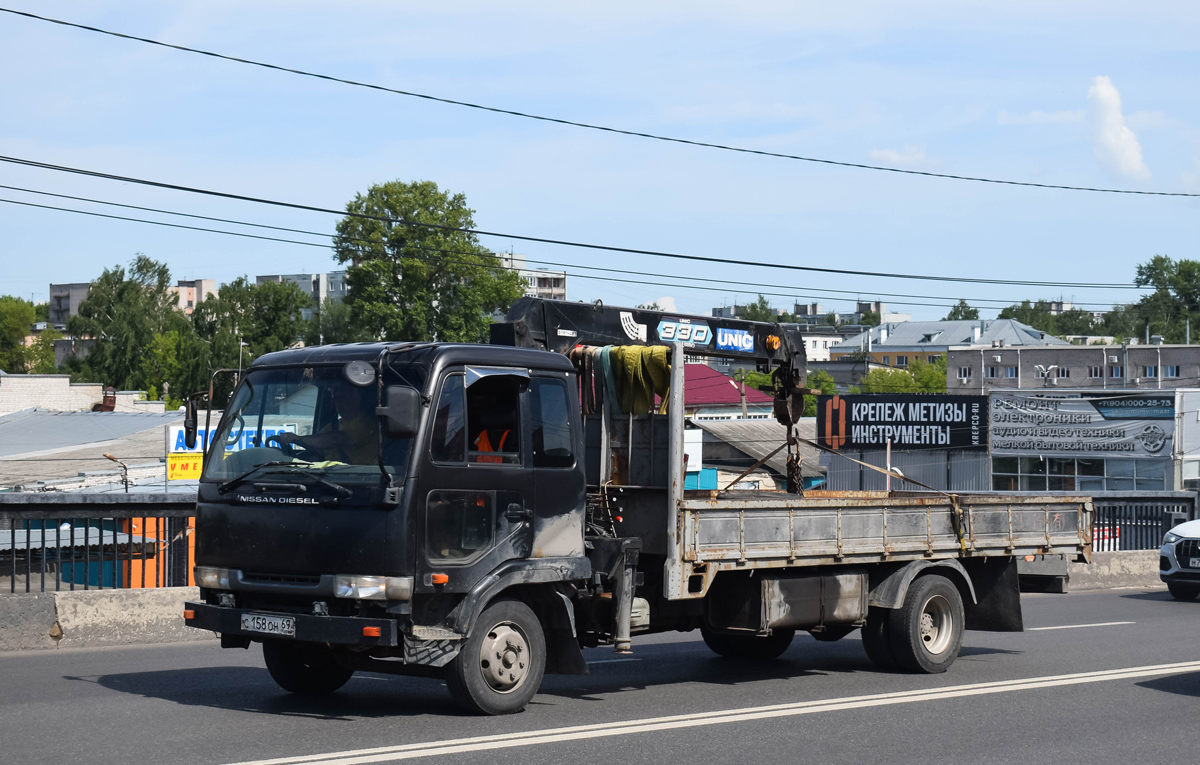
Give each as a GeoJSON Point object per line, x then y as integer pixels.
{"type": "Point", "coordinates": [1185, 550]}
{"type": "Point", "coordinates": [307, 581]}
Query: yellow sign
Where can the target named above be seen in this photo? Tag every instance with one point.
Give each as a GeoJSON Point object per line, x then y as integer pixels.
{"type": "Point", "coordinates": [184, 466]}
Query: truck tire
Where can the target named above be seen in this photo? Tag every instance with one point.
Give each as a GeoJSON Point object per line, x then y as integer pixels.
{"type": "Point", "coordinates": [1183, 591]}
{"type": "Point", "coordinates": [501, 664]}
{"type": "Point", "coordinates": [877, 639]}
{"type": "Point", "coordinates": [748, 646]}
{"type": "Point", "coordinates": [927, 630]}
{"type": "Point", "coordinates": [307, 670]}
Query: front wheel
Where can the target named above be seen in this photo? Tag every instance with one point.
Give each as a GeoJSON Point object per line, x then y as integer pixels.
{"type": "Point", "coordinates": [500, 667]}
{"type": "Point", "coordinates": [748, 646]}
{"type": "Point", "coordinates": [927, 631]}
{"type": "Point", "coordinates": [308, 670]}
{"type": "Point", "coordinates": [1183, 591]}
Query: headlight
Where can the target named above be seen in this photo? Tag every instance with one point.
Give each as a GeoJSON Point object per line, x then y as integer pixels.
{"type": "Point", "coordinates": [1171, 538]}
{"type": "Point", "coordinates": [357, 587]}
{"type": "Point", "coordinates": [212, 578]}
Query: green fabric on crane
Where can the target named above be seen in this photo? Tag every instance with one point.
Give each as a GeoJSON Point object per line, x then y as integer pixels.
{"type": "Point", "coordinates": [641, 372]}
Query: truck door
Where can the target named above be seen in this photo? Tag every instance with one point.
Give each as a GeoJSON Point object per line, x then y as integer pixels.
{"type": "Point", "coordinates": [475, 487]}
{"type": "Point", "coordinates": [559, 483]}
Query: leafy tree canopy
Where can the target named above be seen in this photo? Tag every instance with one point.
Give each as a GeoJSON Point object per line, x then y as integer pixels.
{"type": "Point", "coordinates": [919, 377]}
{"type": "Point", "coordinates": [962, 311]}
{"type": "Point", "coordinates": [333, 322]}
{"type": "Point", "coordinates": [16, 321]}
{"type": "Point", "coordinates": [868, 319]}
{"type": "Point", "coordinates": [417, 282]}
{"type": "Point", "coordinates": [759, 310]}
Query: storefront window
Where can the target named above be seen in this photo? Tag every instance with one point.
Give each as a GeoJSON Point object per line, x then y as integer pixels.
{"type": "Point", "coordinates": [1067, 474]}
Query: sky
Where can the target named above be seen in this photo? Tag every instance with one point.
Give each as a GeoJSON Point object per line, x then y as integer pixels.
{"type": "Point", "coordinates": [1092, 94]}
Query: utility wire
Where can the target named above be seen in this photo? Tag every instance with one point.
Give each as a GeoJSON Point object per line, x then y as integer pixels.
{"type": "Point", "coordinates": [800, 291]}
{"type": "Point", "coordinates": [587, 125]}
{"type": "Point", "coordinates": [560, 242]}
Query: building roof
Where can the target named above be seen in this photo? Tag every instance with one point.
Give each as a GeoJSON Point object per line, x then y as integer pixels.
{"type": "Point", "coordinates": [705, 386]}
{"type": "Point", "coordinates": [41, 430]}
{"type": "Point", "coordinates": [757, 438]}
{"type": "Point", "coordinates": [918, 334]}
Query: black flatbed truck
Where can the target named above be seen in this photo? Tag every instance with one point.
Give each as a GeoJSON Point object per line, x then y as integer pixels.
{"type": "Point", "coordinates": [352, 517]}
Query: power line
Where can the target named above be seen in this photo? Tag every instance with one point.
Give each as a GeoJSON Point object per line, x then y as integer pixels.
{"type": "Point", "coordinates": [810, 290]}
{"type": "Point", "coordinates": [559, 242]}
{"type": "Point", "coordinates": [588, 125]}
{"type": "Point", "coordinates": [794, 291]}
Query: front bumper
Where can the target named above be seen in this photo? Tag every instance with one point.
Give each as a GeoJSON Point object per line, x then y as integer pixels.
{"type": "Point", "coordinates": [1169, 568]}
{"type": "Point", "coordinates": [337, 630]}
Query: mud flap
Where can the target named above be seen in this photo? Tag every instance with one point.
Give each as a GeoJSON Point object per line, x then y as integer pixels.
{"type": "Point", "coordinates": [998, 595]}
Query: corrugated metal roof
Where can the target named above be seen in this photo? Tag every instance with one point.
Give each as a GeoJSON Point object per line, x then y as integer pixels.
{"type": "Point", "coordinates": [40, 430]}
{"type": "Point", "coordinates": [705, 386]}
{"type": "Point", "coordinates": [757, 438]}
{"type": "Point", "coordinates": [943, 333]}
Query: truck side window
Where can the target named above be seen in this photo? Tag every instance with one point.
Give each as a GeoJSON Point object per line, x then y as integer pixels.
{"type": "Point", "coordinates": [493, 424]}
{"type": "Point", "coordinates": [458, 524]}
{"type": "Point", "coordinates": [552, 442]}
{"type": "Point", "coordinates": [449, 438]}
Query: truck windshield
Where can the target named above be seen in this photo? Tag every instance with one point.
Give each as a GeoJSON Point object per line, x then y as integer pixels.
{"type": "Point", "coordinates": [310, 418]}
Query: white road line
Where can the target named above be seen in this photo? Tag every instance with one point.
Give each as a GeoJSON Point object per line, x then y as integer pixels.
{"type": "Point", "coordinates": [610, 661]}
{"type": "Point", "coordinates": [603, 730]}
{"type": "Point", "coordinates": [1076, 626]}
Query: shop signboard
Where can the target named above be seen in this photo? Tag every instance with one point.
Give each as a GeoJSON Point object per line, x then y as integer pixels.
{"type": "Point", "coordinates": [1082, 424]}
{"type": "Point", "coordinates": [868, 421]}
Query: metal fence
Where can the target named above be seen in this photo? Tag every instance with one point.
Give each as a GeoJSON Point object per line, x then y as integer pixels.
{"type": "Point", "coordinates": [54, 542]}
{"type": "Point", "coordinates": [1138, 520]}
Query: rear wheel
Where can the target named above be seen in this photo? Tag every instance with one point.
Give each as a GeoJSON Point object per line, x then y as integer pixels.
{"type": "Point", "coordinates": [1183, 591]}
{"type": "Point", "coordinates": [304, 669]}
{"type": "Point", "coordinates": [500, 666]}
{"type": "Point", "coordinates": [927, 630]}
{"type": "Point", "coordinates": [877, 639]}
{"type": "Point", "coordinates": [748, 646]}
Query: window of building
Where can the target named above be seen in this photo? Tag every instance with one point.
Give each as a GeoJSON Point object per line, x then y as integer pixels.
{"type": "Point", "coordinates": [964, 373]}
{"type": "Point", "coordinates": [1072, 474]}
{"type": "Point", "coordinates": [1150, 371]}
{"type": "Point", "coordinates": [989, 372]}
{"type": "Point", "coordinates": [1064, 372]}
{"type": "Point", "coordinates": [1170, 371]}
{"type": "Point", "coordinates": [1116, 371]}
{"type": "Point", "coordinates": [901, 361]}
{"type": "Point", "coordinates": [1040, 371]}
{"type": "Point", "coordinates": [885, 360]}
{"type": "Point", "coordinates": [1010, 372]}
{"type": "Point", "coordinates": [1095, 372]}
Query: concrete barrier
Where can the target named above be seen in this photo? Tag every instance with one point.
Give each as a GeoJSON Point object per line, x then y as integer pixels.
{"type": "Point", "coordinates": [86, 619]}
{"type": "Point", "coordinates": [1129, 568]}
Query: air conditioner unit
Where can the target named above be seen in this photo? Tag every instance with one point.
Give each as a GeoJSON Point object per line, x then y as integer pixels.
{"type": "Point", "coordinates": [1112, 359]}
{"type": "Point", "coordinates": [964, 380]}
{"type": "Point", "coordinates": [997, 359]}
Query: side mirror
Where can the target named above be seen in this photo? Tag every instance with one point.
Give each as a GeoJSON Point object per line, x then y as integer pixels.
{"type": "Point", "coordinates": [401, 411]}
{"type": "Point", "coordinates": [189, 423]}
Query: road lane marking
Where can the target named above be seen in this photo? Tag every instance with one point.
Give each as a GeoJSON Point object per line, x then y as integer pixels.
{"type": "Point", "coordinates": [611, 661]}
{"type": "Point", "coordinates": [1076, 626]}
{"type": "Point", "coordinates": [628, 727]}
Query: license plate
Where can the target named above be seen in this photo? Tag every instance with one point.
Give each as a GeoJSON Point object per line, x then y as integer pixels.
{"type": "Point", "coordinates": [1193, 562]}
{"type": "Point", "coordinates": [271, 625]}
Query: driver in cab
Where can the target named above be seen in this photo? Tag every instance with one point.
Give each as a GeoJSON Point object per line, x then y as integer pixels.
{"type": "Point", "coordinates": [351, 437]}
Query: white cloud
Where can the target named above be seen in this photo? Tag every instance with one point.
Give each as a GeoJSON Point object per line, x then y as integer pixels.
{"type": "Point", "coordinates": [1115, 144]}
{"type": "Point", "coordinates": [667, 304]}
{"type": "Point", "coordinates": [1040, 117]}
{"type": "Point", "coordinates": [912, 155]}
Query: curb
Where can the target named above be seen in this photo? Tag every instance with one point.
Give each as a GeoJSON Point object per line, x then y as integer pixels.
{"type": "Point", "coordinates": [93, 618]}
{"type": "Point", "coordinates": [1109, 570]}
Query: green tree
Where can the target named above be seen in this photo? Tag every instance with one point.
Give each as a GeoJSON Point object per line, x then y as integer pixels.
{"type": "Point", "coordinates": [961, 311]}
{"type": "Point", "coordinates": [823, 381]}
{"type": "Point", "coordinates": [1075, 321]}
{"type": "Point", "coordinates": [333, 322]}
{"type": "Point", "coordinates": [16, 321]}
{"type": "Point", "coordinates": [409, 281]}
{"type": "Point", "coordinates": [42, 312]}
{"type": "Point", "coordinates": [919, 377]}
{"type": "Point", "coordinates": [1036, 315]}
{"type": "Point", "coordinates": [123, 312]}
{"type": "Point", "coordinates": [759, 310]}
{"type": "Point", "coordinates": [831, 319]}
{"type": "Point", "coordinates": [930, 378]}
{"type": "Point", "coordinates": [869, 319]}
{"type": "Point", "coordinates": [41, 354]}
{"type": "Point", "coordinates": [1174, 301]}
{"type": "Point", "coordinates": [651, 306]}
{"type": "Point", "coordinates": [267, 317]}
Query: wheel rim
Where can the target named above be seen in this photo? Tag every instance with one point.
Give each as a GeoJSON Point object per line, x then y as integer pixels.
{"type": "Point", "coordinates": [937, 624]}
{"type": "Point", "coordinates": [504, 658]}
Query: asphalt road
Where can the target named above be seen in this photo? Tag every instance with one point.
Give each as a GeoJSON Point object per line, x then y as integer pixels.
{"type": "Point", "coordinates": [1089, 694]}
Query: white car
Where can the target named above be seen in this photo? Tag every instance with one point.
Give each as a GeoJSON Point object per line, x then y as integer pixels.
{"type": "Point", "coordinates": [1179, 560]}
